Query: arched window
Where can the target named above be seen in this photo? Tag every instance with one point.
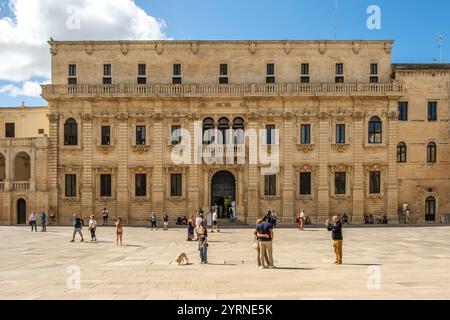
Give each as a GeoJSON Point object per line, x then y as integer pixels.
{"type": "Point", "coordinates": [375, 130]}
{"type": "Point", "coordinates": [224, 126]}
{"type": "Point", "coordinates": [430, 209]}
{"type": "Point", "coordinates": [71, 132]}
{"type": "Point", "coordinates": [208, 131]}
{"type": "Point", "coordinates": [22, 167]}
{"type": "Point", "coordinates": [238, 131]}
{"type": "Point", "coordinates": [401, 152]}
{"type": "Point", "coordinates": [431, 152]}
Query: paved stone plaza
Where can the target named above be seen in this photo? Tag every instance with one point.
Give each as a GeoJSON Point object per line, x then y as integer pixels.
{"type": "Point", "coordinates": [413, 263]}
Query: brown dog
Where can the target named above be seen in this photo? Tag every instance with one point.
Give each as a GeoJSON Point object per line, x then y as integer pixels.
{"type": "Point", "coordinates": [182, 257]}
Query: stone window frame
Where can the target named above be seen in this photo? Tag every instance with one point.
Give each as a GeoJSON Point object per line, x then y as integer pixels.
{"type": "Point", "coordinates": [77, 170]}
{"type": "Point", "coordinates": [174, 122]}
{"type": "Point", "coordinates": [347, 121]}
{"type": "Point", "coordinates": [77, 71]}
{"type": "Point", "coordinates": [383, 180]}
{"type": "Point", "coordinates": [314, 183]}
{"type": "Point", "coordinates": [105, 121]}
{"type": "Point", "coordinates": [139, 121]}
{"type": "Point", "coordinates": [427, 101]}
{"type": "Point", "coordinates": [274, 75]}
{"type": "Point", "coordinates": [384, 131]}
{"type": "Point", "coordinates": [313, 133]}
{"type": "Point", "coordinates": [105, 170]}
{"type": "Point", "coordinates": [62, 121]}
{"type": "Point", "coordinates": [137, 71]}
{"type": "Point", "coordinates": [262, 184]}
{"type": "Point", "coordinates": [103, 71]}
{"type": "Point", "coordinates": [340, 167]}
{"type": "Point", "coordinates": [377, 62]}
{"type": "Point", "coordinates": [132, 171]}
{"type": "Point", "coordinates": [227, 76]}
{"type": "Point", "coordinates": [183, 170]}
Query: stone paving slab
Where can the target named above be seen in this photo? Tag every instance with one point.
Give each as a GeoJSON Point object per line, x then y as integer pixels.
{"type": "Point", "coordinates": [410, 263]}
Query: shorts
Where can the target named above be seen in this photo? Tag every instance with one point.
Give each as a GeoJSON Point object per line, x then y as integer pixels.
{"type": "Point", "coordinates": [77, 230]}
{"type": "Point", "coordinates": [215, 222]}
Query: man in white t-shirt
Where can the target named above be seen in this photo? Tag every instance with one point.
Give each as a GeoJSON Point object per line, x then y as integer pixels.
{"type": "Point", "coordinates": [302, 217]}
{"type": "Point", "coordinates": [198, 222]}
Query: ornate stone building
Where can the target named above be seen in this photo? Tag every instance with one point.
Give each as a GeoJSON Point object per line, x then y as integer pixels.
{"type": "Point", "coordinates": [330, 127]}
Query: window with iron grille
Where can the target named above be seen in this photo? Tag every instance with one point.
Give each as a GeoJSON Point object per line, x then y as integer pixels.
{"type": "Point", "coordinates": [105, 185]}
{"type": "Point", "coordinates": [305, 183]}
{"type": "Point", "coordinates": [140, 135]}
{"type": "Point", "coordinates": [270, 185]}
{"type": "Point", "coordinates": [175, 185]}
{"type": "Point", "coordinates": [140, 185]}
{"type": "Point", "coordinates": [71, 185]}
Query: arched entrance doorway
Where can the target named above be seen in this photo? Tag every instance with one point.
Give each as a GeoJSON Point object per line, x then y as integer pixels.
{"type": "Point", "coordinates": [21, 211]}
{"type": "Point", "coordinates": [430, 209]}
{"type": "Point", "coordinates": [223, 191]}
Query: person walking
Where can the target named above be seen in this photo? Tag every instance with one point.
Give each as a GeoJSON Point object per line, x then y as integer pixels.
{"type": "Point", "coordinates": [264, 234]}
{"type": "Point", "coordinates": [191, 228]}
{"type": "Point", "coordinates": [43, 221]}
{"type": "Point", "coordinates": [303, 219]}
{"type": "Point", "coordinates": [165, 221]}
{"type": "Point", "coordinates": [33, 218]}
{"type": "Point", "coordinates": [198, 222]}
{"type": "Point", "coordinates": [274, 219]}
{"type": "Point", "coordinates": [93, 228]}
{"type": "Point", "coordinates": [105, 214]}
{"type": "Point", "coordinates": [203, 243]}
{"type": "Point", "coordinates": [258, 247]}
{"type": "Point", "coordinates": [407, 215]}
{"type": "Point", "coordinates": [77, 226]}
{"type": "Point", "coordinates": [119, 230]}
{"type": "Point", "coordinates": [153, 221]}
{"type": "Point", "coordinates": [215, 222]}
{"type": "Point", "coordinates": [336, 234]}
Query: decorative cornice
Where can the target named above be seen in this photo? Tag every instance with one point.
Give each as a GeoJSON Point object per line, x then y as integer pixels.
{"type": "Point", "coordinates": [122, 115]}
{"type": "Point", "coordinates": [140, 148]}
{"type": "Point", "coordinates": [340, 147]}
{"type": "Point", "coordinates": [87, 116]}
{"type": "Point", "coordinates": [305, 147]}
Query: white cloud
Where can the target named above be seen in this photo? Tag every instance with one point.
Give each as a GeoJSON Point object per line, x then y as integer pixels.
{"type": "Point", "coordinates": [23, 37]}
{"type": "Point", "coordinates": [28, 88]}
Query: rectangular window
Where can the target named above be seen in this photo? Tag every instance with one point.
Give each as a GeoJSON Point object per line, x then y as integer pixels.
{"type": "Point", "coordinates": [106, 135]}
{"type": "Point", "coordinates": [140, 185]}
{"type": "Point", "coordinates": [270, 134]}
{"type": "Point", "coordinates": [40, 131]}
{"type": "Point", "coordinates": [72, 81]}
{"type": "Point", "coordinates": [223, 73]}
{"type": "Point", "coordinates": [304, 72]}
{"type": "Point", "coordinates": [72, 70]}
{"type": "Point", "coordinates": [176, 79]}
{"type": "Point", "coordinates": [270, 76]}
{"type": "Point", "coordinates": [71, 185]}
{"type": "Point", "coordinates": [339, 73]}
{"type": "Point", "coordinates": [373, 73]}
{"type": "Point", "coordinates": [10, 130]}
{"type": "Point", "coordinates": [140, 135]}
{"type": "Point", "coordinates": [175, 185]}
{"type": "Point", "coordinates": [403, 111]}
{"type": "Point", "coordinates": [142, 69]}
{"type": "Point", "coordinates": [176, 134]}
{"type": "Point", "coordinates": [105, 185]}
{"type": "Point", "coordinates": [340, 133]}
{"type": "Point", "coordinates": [305, 134]}
{"type": "Point", "coordinates": [141, 80]}
{"type": "Point", "coordinates": [305, 183]}
{"type": "Point", "coordinates": [107, 80]}
{"type": "Point", "coordinates": [374, 183]}
{"type": "Point", "coordinates": [339, 182]}
{"type": "Point", "coordinates": [270, 185]}
{"type": "Point", "coordinates": [432, 110]}
{"type": "Point", "coordinates": [107, 70]}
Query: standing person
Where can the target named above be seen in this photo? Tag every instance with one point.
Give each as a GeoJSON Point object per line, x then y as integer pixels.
{"type": "Point", "coordinates": [119, 230]}
{"type": "Point", "coordinates": [264, 234]}
{"type": "Point", "coordinates": [191, 228]}
{"type": "Point", "coordinates": [269, 217]}
{"type": "Point", "coordinates": [198, 222]}
{"type": "Point", "coordinates": [209, 219]}
{"type": "Point", "coordinates": [165, 221]}
{"type": "Point", "coordinates": [299, 221]}
{"type": "Point", "coordinates": [33, 218]}
{"type": "Point", "coordinates": [407, 215]}
{"type": "Point", "coordinates": [93, 228]}
{"type": "Point", "coordinates": [203, 243]}
{"type": "Point", "coordinates": [336, 235]}
{"type": "Point", "coordinates": [274, 219]}
{"type": "Point", "coordinates": [303, 219]}
{"type": "Point", "coordinates": [77, 226]}
{"type": "Point", "coordinates": [105, 214]}
{"type": "Point", "coordinates": [215, 222]}
{"type": "Point", "coordinates": [258, 247]}
{"type": "Point", "coordinates": [153, 220]}
{"type": "Point", "coordinates": [43, 221]}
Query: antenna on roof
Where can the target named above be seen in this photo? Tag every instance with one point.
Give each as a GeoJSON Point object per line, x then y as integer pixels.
{"type": "Point", "coordinates": [440, 38]}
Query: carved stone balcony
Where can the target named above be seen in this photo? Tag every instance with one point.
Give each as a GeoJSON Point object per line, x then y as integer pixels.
{"type": "Point", "coordinates": [194, 90]}
{"type": "Point", "coordinates": [21, 185]}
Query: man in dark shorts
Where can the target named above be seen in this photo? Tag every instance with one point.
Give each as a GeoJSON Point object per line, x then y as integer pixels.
{"type": "Point", "coordinates": [77, 226]}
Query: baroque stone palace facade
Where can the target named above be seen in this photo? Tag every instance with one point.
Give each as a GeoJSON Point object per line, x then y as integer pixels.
{"type": "Point", "coordinates": [345, 130]}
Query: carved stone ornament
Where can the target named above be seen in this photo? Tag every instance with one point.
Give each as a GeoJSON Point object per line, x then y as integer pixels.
{"type": "Point", "coordinates": [87, 116]}
{"type": "Point", "coordinates": [124, 48]}
{"type": "Point", "coordinates": [159, 48]}
{"type": "Point", "coordinates": [287, 47]}
{"type": "Point", "coordinates": [252, 48]}
{"type": "Point", "coordinates": [305, 147]}
{"type": "Point", "coordinates": [388, 47]}
{"type": "Point", "coordinates": [356, 47]}
{"type": "Point", "coordinates": [392, 115]}
{"type": "Point", "coordinates": [53, 49]}
{"type": "Point", "coordinates": [322, 47]}
{"type": "Point", "coordinates": [358, 115]}
{"type": "Point", "coordinates": [105, 149]}
{"type": "Point", "coordinates": [139, 200]}
{"type": "Point", "coordinates": [323, 115]}
{"type": "Point", "coordinates": [158, 116]}
{"type": "Point", "coordinates": [340, 147]}
{"type": "Point", "coordinates": [288, 115]}
{"type": "Point", "coordinates": [53, 117]}
{"type": "Point", "coordinates": [122, 115]}
{"type": "Point", "coordinates": [140, 148]}
{"type": "Point", "coordinates": [89, 49]}
{"type": "Point", "coordinates": [195, 46]}
{"type": "Point", "coordinates": [193, 116]}
{"type": "Point", "coordinates": [306, 199]}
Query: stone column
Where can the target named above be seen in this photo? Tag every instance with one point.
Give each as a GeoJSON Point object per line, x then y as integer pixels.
{"type": "Point", "coordinates": [52, 162]}
{"type": "Point", "coordinates": [193, 179]}
{"type": "Point", "coordinates": [323, 145]}
{"type": "Point", "coordinates": [286, 159]}
{"type": "Point", "coordinates": [158, 193]}
{"type": "Point", "coordinates": [391, 178]}
{"type": "Point", "coordinates": [240, 215]}
{"type": "Point", "coordinates": [358, 173]}
{"type": "Point", "coordinates": [253, 172]}
{"type": "Point", "coordinates": [87, 186]}
{"type": "Point", "coordinates": [123, 149]}
{"type": "Point", "coordinates": [206, 190]}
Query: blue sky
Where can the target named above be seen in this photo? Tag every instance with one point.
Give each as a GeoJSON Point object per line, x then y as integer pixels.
{"type": "Point", "coordinates": [412, 24]}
